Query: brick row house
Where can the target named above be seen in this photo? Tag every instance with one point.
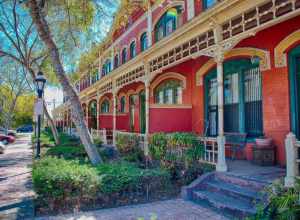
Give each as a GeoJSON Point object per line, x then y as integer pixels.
{"type": "Point", "coordinates": [202, 66]}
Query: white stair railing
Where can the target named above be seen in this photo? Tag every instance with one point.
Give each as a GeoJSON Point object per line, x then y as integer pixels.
{"type": "Point", "coordinates": [210, 154]}
{"type": "Point", "coordinates": [292, 160]}
{"type": "Point", "coordinates": [99, 134]}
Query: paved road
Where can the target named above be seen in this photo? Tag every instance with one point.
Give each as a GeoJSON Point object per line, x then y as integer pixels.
{"type": "Point", "coordinates": [15, 180]}
{"type": "Point", "coordinates": [176, 209]}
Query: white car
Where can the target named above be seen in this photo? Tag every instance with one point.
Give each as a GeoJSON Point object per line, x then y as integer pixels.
{"type": "Point", "coordinates": [2, 147]}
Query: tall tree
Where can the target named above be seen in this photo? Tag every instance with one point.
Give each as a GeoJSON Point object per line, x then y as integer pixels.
{"type": "Point", "coordinates": [13, 85]}
{"type": "Point", "coordinates": [38, 16]}
{"type": "Point", "coordinates": [22, 45]}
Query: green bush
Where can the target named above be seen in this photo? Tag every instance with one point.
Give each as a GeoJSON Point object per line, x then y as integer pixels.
{"type": "Point", "coordinates": [60, 183]}
{"type": "Point", "coordinates": [67, 152]}
{"type": "Point", "coordinates": [126, 143]}
{"type": "Point", "coordinates": [124, 176]}
{"type": "Point", "coordinates": [98, 142]}
{"type": "Point", "coordinates": [284, 203]}
{"type": "Point", "coordinates": [178, 153]}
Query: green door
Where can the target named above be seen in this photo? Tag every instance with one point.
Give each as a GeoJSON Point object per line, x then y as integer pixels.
{"type": "Point", "coordinates": [294, 76]}
{"type": "Point", "coordinates": [142, 112]}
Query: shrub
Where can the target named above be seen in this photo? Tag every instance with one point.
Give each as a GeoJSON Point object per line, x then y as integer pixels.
{"type": "Point", "coordinates": [61, 183]}
{"type": "Point", "coordinates": [178, 153]}
{"type": "Point", "coordinates": [124, 176]}
{"type": "Point", "coordinates": [126, 143]}
{"type": "Point", "coordinates": [158, 145]}
{"type": "Point", "coordinates": [68, 152]}
{"type": "Point", "coordinates": [98, 142]}
{"type": "Point", "coordinates": [128, 147]}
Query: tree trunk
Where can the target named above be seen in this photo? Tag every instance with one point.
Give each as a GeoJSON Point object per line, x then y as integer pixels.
{"type": "Point", "coordinates": [52, 125]}
{"type": "Point", "coordinates": [77, 113]}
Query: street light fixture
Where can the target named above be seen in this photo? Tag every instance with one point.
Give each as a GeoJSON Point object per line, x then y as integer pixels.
{"type": "Point", "coordinates": [40, 82]}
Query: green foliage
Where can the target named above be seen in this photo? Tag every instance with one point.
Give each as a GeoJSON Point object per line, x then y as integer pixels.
{"type": "Point", "coordinates": [98, 142]}
{"type": "Point", "coordinates": [67, 152]}
{"type": "Point", "coordinates": [284, 203]}
{"type": "Point", "coordinates": [57, 181]}
{"type": "Point", "coordinates": [178, 153]}
{"type": "Point", "coordinates": [124, 176]}
{"type": "Point", "coordinates": [128, 146]}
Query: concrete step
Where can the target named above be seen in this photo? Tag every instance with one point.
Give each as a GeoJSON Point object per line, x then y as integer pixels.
{"type": "Point", "coordinates": [239, 192]}
{"type": "Point", "coordinates": [248, 182]}
{"type": "Point", "coordinates": [224, 203]}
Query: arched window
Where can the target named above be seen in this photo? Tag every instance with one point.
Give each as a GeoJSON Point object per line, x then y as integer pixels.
{"type": "Point", "coordinates": [169, 92]}
{"type": "Point", "coordinates": [132, 50]}
{"type": "Point", "coordinates": [122, 104]}
{"type": "Point", "coordinates": [105, 106]}
{"type": "Point", "coordinates": [167, 23]}
{"type": "Point", "coordinates": [106, 68]}
{"type": "Point", "coordinates": [124, 55]}
{"type": "Point", "coordinates": [144, 42]}
{"type": "Point", "coordinates": [116, 61]}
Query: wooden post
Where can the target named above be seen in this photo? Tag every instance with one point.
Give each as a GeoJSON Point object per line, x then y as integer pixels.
{"type": "Point", "coordinates": [147, 108]}
{"type": "Point", "coordinates": [291, 156]}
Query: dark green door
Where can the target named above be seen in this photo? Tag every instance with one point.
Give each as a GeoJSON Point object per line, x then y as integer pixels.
{"type": "Point", "coordinates": [142, 112]}
{"type": "Point", "coordinates": [294, 75]}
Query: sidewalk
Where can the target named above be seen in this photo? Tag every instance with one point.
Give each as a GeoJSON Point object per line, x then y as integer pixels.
{"type": "Point", "coordinates": [176, 209]}
{"type": "Point", "coordinates": [15, 180]}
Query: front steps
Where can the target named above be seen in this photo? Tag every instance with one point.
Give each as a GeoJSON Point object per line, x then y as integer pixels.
{"type": "Point", "coordinates": [229, 194]}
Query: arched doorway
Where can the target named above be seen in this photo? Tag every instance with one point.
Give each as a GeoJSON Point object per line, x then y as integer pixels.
{"type": "Point", "coordinates": [93, 115]}
{"type": "Point", "coordinates": [242, 98]}
{"type": "Point", "coordinates": [294, 78]}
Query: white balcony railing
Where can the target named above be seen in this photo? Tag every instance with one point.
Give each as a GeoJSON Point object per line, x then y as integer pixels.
{"type": "Point", "coordinates": [210, 154]}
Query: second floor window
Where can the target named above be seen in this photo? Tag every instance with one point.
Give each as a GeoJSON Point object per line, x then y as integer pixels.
{"type": "Point", "coordinates": [116, 61]}
{"type": "Point", "coordinates": [132, 50]}
{"type": "Point", "coordinates": [106, 68]}
{"type": "Point", "coordinates": [209, 3]}
{"type": "Point", "coordinates": [124, 55]}
{"type": "Point", "coordinates": [167, 23]}
{"type": "Point", "coordinates": [105, 106]}
{"type": "Point", "coordinates": [144, 42]}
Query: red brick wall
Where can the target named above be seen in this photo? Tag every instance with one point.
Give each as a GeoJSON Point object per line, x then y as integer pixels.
{"type": "Point", "coordinates": [105, 121]}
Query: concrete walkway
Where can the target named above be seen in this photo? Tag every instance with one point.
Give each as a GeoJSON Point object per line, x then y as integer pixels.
{"type": "Point", "coordinates": [15, 180]}
{"type": "Point", "coordinates": [176, 209]}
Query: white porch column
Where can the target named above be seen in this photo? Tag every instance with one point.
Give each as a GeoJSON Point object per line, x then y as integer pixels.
{"type": "Point", "coordinates": [147, 108]}
{"type": "Point", "coordinates": [149, 25]}
{"type": "Point", "coordinates": [291, 156]}
{"type": "Point", "coordinates": [114, 117]}
{"type": "Point", "coordinates": [221, 165]}
{"type": "Point", "coordinates": [97, 109]}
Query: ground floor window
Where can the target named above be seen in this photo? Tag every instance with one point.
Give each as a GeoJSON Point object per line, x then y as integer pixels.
{"type": "Point", "coordinates": [242, 99]}
{"type": "Point", "coordinates": [105, 106]}
{"type": "Point", "coordinates": [169, 92]}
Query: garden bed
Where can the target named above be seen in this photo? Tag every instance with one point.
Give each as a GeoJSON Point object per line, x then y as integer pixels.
{"type": "Point", "coordinates": [65, 181]}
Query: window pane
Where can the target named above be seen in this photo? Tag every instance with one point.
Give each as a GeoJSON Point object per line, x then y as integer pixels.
{"type": "Point", "coordinates": [169, 27]}
{"type": "Point", "coordinates": [209, 3]}
{"type": "Point", "coordinates": [231, 89]}
{"type": "Point", "coordinates": [178, 95]}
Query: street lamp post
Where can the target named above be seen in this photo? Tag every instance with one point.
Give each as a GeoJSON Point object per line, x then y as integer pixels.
{"type": "Point", "coordinates": [40, 82]}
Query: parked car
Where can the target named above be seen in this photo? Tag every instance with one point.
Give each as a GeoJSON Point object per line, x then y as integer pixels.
{"type": "Point", "coordinates": [9, 132]}
{"type": "Point", "coordinates": [25, 129]}
{"type": "Point", "coordinates": [6, 139]}
{"type": "Point", "coordinates": [2, 147]}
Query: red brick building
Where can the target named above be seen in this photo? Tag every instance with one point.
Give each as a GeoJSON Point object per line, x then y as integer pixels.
{"type": "Point", "coordinates": [202, 66]}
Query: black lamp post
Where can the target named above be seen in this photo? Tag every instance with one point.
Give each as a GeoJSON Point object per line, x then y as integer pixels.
{"type": "Point", "coordinates": [40, 82]}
